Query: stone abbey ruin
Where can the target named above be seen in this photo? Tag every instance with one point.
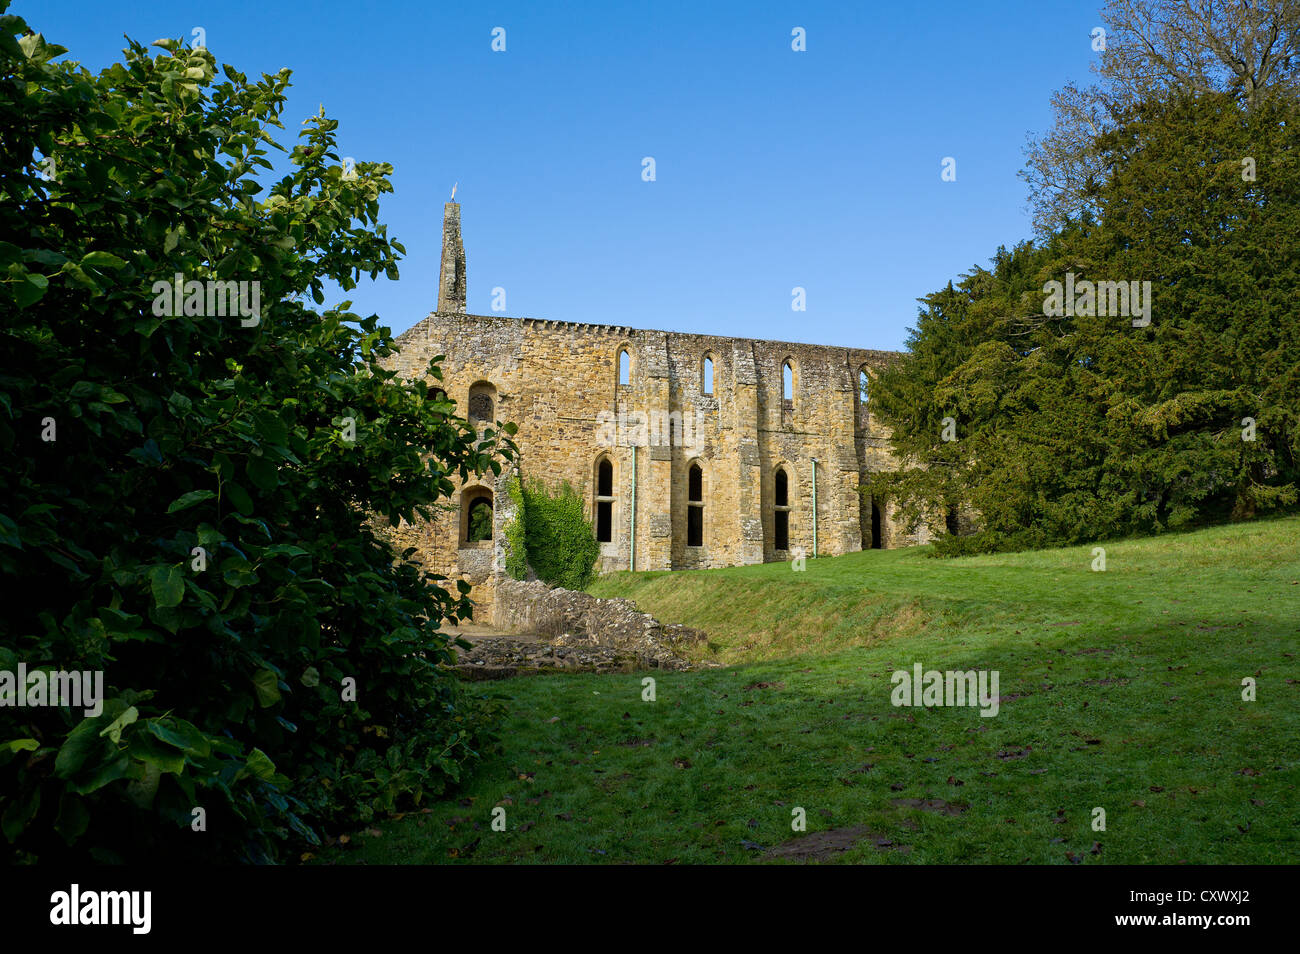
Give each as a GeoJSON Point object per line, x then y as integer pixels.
{"type": "Point", "coordinates": [690, 450]}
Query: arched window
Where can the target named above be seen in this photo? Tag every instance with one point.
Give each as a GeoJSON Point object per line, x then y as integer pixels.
{"type": "Point", "coordinates": [482, 403]}
{"type": "Point", "coordinates": [864, 385]}
{"type": "Point", "coordinates": [787, 382]}
{"type": "Point", "coordinates": [438, 396]}
{"type": "Point", "coordinates": [781, 511]}
{"type": "Point", "coordinates": [706, 378]}
{"type": "Point", "coordinates": [695, 507]}
{"type": "Point", "coordinates": [604, 501]}
{"type": "Point", "coordinates": [624, 367]}
{"type": "Point", "coordinates": [476, 515]}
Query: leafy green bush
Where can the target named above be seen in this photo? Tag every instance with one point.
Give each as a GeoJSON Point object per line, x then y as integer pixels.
{"type": "Point", "coordinates": [561, 545]}
{"type": "Point", "coordinates": [186, 498]}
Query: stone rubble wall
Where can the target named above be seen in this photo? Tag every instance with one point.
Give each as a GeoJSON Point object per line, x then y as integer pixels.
{"type": "Point", "coordinates": [558, 614]}
{"type": "Point", "coordinates": [572, 630]}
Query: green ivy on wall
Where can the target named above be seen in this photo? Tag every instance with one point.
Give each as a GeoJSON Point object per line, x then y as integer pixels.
{"type": "Point", "coordinates": [516, 548]}
{"type": "Point", "coordinates": [556, 536]}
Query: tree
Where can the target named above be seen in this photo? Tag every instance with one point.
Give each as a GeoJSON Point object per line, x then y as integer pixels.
{"type": "Point", "coordinates": [1249, 49]}
{"type": "Point", "coordinates": [189, 485]}
{"type": "Point", "coordinates": [1080, 426]}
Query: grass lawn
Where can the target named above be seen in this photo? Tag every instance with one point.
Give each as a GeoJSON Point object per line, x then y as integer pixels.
{"type": "Point", "coordinates": [1121, 690]}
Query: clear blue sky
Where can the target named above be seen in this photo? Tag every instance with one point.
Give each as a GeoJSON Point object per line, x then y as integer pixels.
{"type": "Point", "coordinates": [775, 169]}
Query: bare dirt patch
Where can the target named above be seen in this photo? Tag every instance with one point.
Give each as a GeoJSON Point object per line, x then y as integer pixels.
{"type": "Point", "coordinates": [821, 845]}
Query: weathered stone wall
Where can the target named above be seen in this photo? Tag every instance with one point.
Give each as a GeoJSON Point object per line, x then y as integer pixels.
{"type": "Point", "coordinates": [559, 382]}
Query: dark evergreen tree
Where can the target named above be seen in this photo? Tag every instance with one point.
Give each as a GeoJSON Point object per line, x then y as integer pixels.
{"type": "Point", "coordinates": [1085, 425]}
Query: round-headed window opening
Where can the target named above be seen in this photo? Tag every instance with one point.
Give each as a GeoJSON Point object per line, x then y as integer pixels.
{"type": "Point", "coordinates": [781, 510]}
{"type": "Point", "coordinates": [482, 403]}
{"type": "Point", "coordinates": [604, 501]}
{"type": "Point", "coordinates": [695, 507]}
{"type": "Point", "coordinates": [438, 396]}
{"type": "Point", "coordinates": [476, 517]}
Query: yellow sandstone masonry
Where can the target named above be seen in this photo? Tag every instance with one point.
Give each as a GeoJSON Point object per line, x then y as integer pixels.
{"type": "Point", "coordinates": [560, 383]}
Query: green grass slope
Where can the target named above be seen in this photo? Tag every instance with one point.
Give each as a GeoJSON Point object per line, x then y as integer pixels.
{"type": "Point", "coordinates": [1121, 690]}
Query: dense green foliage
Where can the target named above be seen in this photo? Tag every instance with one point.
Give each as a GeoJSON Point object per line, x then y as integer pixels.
{"type": "Point", "coordinates": [1072, 428]}
{"type": "Point", "coordinates": [561, 545]}
{"type": "Point", "coordinates": [185, 499]}
{"type": "Point", "coordinates": [516, 547]}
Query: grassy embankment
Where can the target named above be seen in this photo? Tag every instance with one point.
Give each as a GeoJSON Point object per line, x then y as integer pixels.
{"type": "Point", "coordinates": [1121, 690]}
